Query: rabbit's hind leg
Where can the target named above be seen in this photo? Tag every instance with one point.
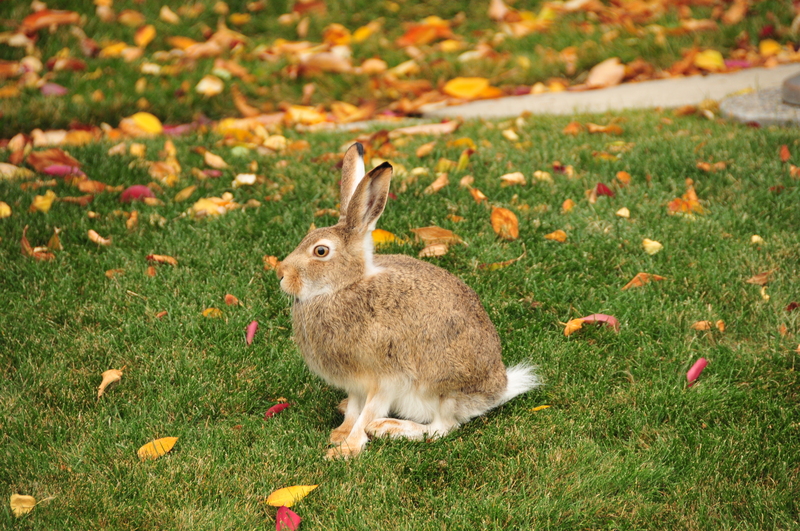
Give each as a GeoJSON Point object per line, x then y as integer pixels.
{"type": "Point", "coordinates": [408, 429]}
{"type": "Point", "coordinates": [351, 407]}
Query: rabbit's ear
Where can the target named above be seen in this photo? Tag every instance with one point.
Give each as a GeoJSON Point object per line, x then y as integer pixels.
{"type": "Point", "coordinates": [353, 172]}
{"type": "Point", "coordinates": [369, 199]}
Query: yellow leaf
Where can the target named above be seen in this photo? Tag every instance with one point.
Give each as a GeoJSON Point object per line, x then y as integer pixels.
{"type": "Point", "coordinates": [651, 247]}
{"type": "Point", "coordinates": [5, 210]}
{"type": "Point", "coordinates": [215, 161]}
{"type": "Point", "coordinates": [505, 223]}
{"type": "Point", "coordinates": [509, 179]}
{"type": "Point", "coordinates": [710, 60]}
{"type": "Point", "coordinates": [109, 377]}
{"type": "Point", "coordinates": [557, 236]}
{"type": "Point", "coordinates": [567, 206]}
{"type": "Point", "coordinates": [539, 408]}
{"type": "Point", "coordinates": [144, 35]}
{"type": "Point", "coordinates": [769, 47]}
{"type": "Point", "coordinates": [113, 50]}
{"type": "Point", "coordinates": [22, 504]}
{"type": "Point", "coordinates": [623, 212]}
{"type": "Point", "coordinates": [42, 203]}
{"type": "Point", "coordinates": [466, 87]}
{"type": "Point", "coordinates": [214, 313]}
{"type": "Point", "coordinates": [210, 86]}
{"type": "Point", "coordinates": [96, 238]}
{"type": "Point", "coordinates": [156, 448]}
{"type": "Point", "coordinates": [573, 326]}
{"type": "Point", "coordinates": [380, 236]}
{"type": "Point", "coordinates": [141, 124]}
{"type": "Point", "coordinates": [288, 496]}
{"type": "Point", "coordinates": [185, 194]}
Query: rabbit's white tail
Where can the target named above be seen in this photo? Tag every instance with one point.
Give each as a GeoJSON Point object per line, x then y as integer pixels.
{"type": "Point", "coordinates": [521, 379]}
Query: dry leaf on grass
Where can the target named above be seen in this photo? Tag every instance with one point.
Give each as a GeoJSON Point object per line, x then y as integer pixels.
{"type": "Point", "coordinates": [505, 223]}
{"type": "Point", "coordinates": [433, 250]}
{"type": "Point", "coordinates": [21, 504]}
{"type": "Point", "coordinates": [702, 325]}
{"type": "Point", "coordinates": [96, 238]}
{"type": "Point", "coordinates": [641, 279]}
{"type": "Point", "coordinates": [576, 324]}
{"type": "Point", "coordinates": [761, 279]}
{"type": "Point", "coordinates": [557, 236]}
{"type": "Point", "coordinates": [288, 496]}
{"type": "Point", "coordinates": [156, 448]}
{"type": "Point", "coordinates": [651, 247]}
{"type": "Point", "coordinates": [162, 259]}
{"type": "Point", "coordinates": [433, 235]}
{"type": "Point", "coordinates": [109, 377]}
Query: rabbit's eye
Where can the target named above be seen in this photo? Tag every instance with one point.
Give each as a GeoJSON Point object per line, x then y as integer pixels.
{"type": "Point", "coordinates": [321, 251]}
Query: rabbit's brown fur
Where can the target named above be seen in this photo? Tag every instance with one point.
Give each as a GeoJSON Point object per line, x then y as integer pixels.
{"type": "Point", "coordinates": [400, 335]}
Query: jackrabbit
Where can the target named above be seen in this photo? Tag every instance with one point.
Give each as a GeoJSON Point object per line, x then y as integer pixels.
{"type": "Point", "coordinates": [399, 335]}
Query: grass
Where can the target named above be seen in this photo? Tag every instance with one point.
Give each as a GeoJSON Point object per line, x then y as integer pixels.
{"type": "Point", "coordinates": [110, 87]}
{"type": "Point", "coordinates": [625, 444]}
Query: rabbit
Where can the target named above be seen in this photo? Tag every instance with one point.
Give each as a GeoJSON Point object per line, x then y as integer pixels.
{"type": "Point", "coordinates": [399, 335]}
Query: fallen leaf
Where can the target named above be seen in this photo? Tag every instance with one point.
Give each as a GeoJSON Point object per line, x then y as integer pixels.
{"type": "Point", "coordinates": [557, 235]}
{"type": "Point", "coordinates": [21, 504]}
{"type": "Point", "coordinates": [769, 47]}
{"type": "Point", "coordinates": [184, 194]}
{"type": "Point", "coordinates": [641, 279]}
{"type": "Point", "coordinates": [382, 237]}
{"type": "Point", "coordinates": [277, 408]}
{"type": "Point", "coordinates": [288, 496]}
{"type": "Point", "coordinates": [500, 265]}
{"type": "Point", "coordinates": [694, 372]}
{"type": "Point", "coordinates": [162, 259]}
{"type": "Point", "coordinates": [755, 239]}
{"type": "Point", "coordinates": [505, 223]}
{"type": "Point", "coordinates": [540, 408]}
{"type": "Point", "coordinates": [720, 324]}
{"type": "Point", "coordinates": [609, 320]}
{"type": "Point", "coordinates": [573, 325]}
{"type": "Point", "coordinates": [606, 74]}
{"type": "Point", "coordinates": [441, 181]}
{"type": "Point", "coordinates": [286, 520]}
{"type": "Point", "coordinates": [651, 247]}
{"type": "Point", "coordinates": [443, 128]}
{"type": "Point", "coordinates": [612, 129]}
{"type": "Point", "coordinates": [623, 212]}
{"type": "Point", "coordinates": [156, 448]}
{"type": "Point", "coordinates": [213, 313]}
{"type": "Point", "coordinates": [270, 262]}
{"type": "Point", "coordinates": [710, 60]}
{"type": "Point", "coordinates": [47, 18]}
{"type": "Point", "coordinates": [250, 333]}
{"type": "Point", "coordinates": [144, 36]}
{"type": "Point", "coordinates": [42, 203]}
{"type": "Point", "coordinates": [761, 279]}
{"type": "Point", "coordinates": [5, 210]}
{"type": "Point", "coordinates": [784, 153]}
{"type": "Point", "coordinates": [433, 250]}
{"type": "Point", "coordinates": [573, 128]}
{"type": "Point", "coordinates": [96, 238]}
{"type": "Point", "coordinates": [210, 86]}
{"type": "Point", "coordinates": [435, 235]}
{"type": "Point", "coordinates": [702, 325]}
{"type": "Point", "coordinates": [109, 377]}
{"type": "Point", "coordinates": [516, 177]}
{"type": "Point", "coordinates": [602, 189]}
{"type": "Point", "coordinates": [477, 195]}
{"type": "Point", "coordinates": [141, 124]}
{"type": "Point", "coordinates": [37, 253]}
{"type": "Point", "coordinates": [215, 161]}
{"type": "Point", "coordinates": [624, 178]}
{"type": "Point", "coordinates": [764, 294]}
{"type": "Point", "coordinates": [111, 273]}
{"type": "Point", "coordinates": [467, 88]}
{"type": "Point", "coordinates": [231, 300]}
{"type": "Point", "coordinates": [567, 206]}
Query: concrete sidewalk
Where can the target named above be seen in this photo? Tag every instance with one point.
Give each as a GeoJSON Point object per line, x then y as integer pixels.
{"type": "Point", "coordinates": [667, 93]}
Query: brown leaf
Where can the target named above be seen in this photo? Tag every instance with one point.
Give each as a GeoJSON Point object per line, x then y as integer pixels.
{"type": "Point", "coordinates": [612, 129]}
{"type": "Point", "coordinates": [641, 279]}
{"type": "Point", "coordinates": [47, 18]}
{"type": "Point", "coordinates": [37, 253]}
{"type": "Point", "coordinates": [761, 279]}
{"type": "Point", "coordinates": [162, 259]}
{"type": "Point", "coordinates": [702, 325]}
{"type": "Point", "coordinates": [433, 235]}
{"type": "Point", "coordinates": [39, 160]}
{"type": "Point", "coordinates": [433, 250]}
{"type": "Point", "coordinates": [505, 223]}
{"type": "Point", "coordinates": [573, 128]}
{"type": "Point", "coordinates": [109, 377]}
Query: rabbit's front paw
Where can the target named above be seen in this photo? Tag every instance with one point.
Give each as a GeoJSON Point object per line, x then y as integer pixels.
{"type": "Point", "coordinates": [343, 451]}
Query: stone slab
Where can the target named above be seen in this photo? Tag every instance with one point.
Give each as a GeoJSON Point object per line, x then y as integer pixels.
{"type": "Point", "coordinates": [666, 93]}
{"type": "Point", "coordinates": [764, 107]}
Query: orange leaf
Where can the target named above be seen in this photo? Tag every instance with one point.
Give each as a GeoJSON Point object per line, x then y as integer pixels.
{"type": "Point", "coordinates": [433, 234]}
{"type": "Point", "coordinates": [157, 448]}
{"type": "Point", "coordinates": [567, 206]}
{"type": "Point", "coordinates": [641, 279]}
{"type": "Point", "coordinates": [785, 154]}
{"type": "Point", "coordinates": [573, 128]}
{"type": "Point", "coordinates": [467, 88]}
{"type": "Point", "coordinates": [702, 325]}
{"type": "Point", "coordinates": [505, 223]}
{"type": "Point", "coordinates": [47, 18]}
{"type": "Point", "coordinates": [558, 236]}
{"type": "Point", "coordinates": [573, 325]}
{"type": "Point", "coordinates": [162, 259]}
{"type": "Point", "coordinates": [477, 195]}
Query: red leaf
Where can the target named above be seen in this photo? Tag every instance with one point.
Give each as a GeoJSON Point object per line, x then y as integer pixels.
{"type": "Point", "coordinates": [694, 372]}
{"type": "Point", "coordinates": [286, 519]}
{"type": "Point", "coordinates": [604, 190]}
{"type": "Point", "coordinates": [274, 410]}
{"type": "Point", "coordinates": [792, 306]}
{"type": "Point", "coordinates": [610, 320]}
{"type": "Point", "coordinates": [135, 192]}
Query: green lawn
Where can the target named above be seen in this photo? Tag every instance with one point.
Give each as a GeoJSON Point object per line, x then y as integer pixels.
{"type": "Point", "coordinates": [625, 444]}
{"type": "Point", "coordinates": [102, 86]}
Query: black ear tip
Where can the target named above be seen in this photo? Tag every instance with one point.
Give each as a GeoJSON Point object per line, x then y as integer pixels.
{"type": "Point", "coordinates": [360, 148]}
{"type": "Point", "coordinates": [385, 166]}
